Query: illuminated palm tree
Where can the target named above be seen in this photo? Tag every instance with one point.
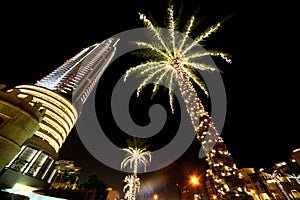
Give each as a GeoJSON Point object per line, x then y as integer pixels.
{"type": "Point", "coordinates": [137, 154]}
{"type": "Point", "coordinates": [128, 188]}
{"type": "Point", "coordinates": [173, 58]}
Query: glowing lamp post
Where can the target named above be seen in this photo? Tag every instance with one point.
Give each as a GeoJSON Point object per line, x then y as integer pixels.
{"type": "Point", "coordinates": [194, 180]}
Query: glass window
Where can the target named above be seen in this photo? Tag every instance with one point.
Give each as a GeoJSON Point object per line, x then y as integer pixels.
{"type": "Point", "coordinates": [37, 165]}
{"type": "Point", "coordinates": [24, 159]}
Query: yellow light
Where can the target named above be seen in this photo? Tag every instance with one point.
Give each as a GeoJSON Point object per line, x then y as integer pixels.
{"type": "Point", "coordinates": [63, 132]}
{"type": "Point", "coordinates": [60, 115]}
{"type": "Point", "coordinates": [54, 105]}
{"type": "Point", "coordinates": [52, 132]}
{"type": "Point", "coordinates": [155, 196]}
{"type": "Point", "coordinates": [52, 97]}
{"type": "Point", "coordinates": [50, 140]}
{"type": "Point", "coordinates": [194, 180]}
{"type": "Point", "coordinates": [59, 119]}
{"type": "Point", "coordinates": [226, 187]}
{"type": "Point", "coordinates": [296, 150]}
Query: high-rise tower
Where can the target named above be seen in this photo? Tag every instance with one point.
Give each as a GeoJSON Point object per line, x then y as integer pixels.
{"type": "Point", "coordinates": [64, 91]}
{"type": "Point", "coordinates": [77, 77]}
{"type": "Point", "coordinates": [62, 94]}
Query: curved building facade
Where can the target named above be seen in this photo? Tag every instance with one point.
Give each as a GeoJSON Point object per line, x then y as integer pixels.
{"type": "Point", "coordinates": [60, 115]}
{"type": "Point", "coordinates": [19, 120]}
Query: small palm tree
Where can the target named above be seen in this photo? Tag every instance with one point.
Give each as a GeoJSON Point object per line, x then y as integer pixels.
{"type": "Point", "coordinates": [131, 182]}
{"type": "Point", "coordinates": [137, 154]}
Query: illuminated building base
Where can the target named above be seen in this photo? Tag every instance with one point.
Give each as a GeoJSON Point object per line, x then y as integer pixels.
{"type": "Point", "coordinates": [59, 118]}
{"type": "Point", "coordinates": [34, 161]}
{"type": "Point", "coordinates": [19, 119]}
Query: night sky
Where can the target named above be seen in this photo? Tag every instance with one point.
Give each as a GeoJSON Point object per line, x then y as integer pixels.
{"type": "Point", "coordinates": [261, 84]}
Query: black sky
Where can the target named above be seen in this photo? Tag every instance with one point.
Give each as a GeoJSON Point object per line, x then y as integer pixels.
{"type": "Point", "coordinates": [261, 84]}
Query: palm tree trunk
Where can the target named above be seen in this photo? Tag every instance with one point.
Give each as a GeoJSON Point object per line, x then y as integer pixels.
{"type": "Point", "coordinates": [211, 143]}
{"type": "Point", "coordinates": [135, 168]}
{"type": "Point", "coordinates": [200, 119]}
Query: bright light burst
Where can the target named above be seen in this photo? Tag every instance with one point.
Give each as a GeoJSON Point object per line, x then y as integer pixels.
{"type": "Point", "coordinates": [172, 55]}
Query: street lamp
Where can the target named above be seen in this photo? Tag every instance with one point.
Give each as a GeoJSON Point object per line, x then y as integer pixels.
{"type": "Point", "coordinates": [194, 180]}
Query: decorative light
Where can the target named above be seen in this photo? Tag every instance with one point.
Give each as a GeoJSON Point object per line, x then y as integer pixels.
{"type": "Point", "coordinates": [60, 115]}
{"type": "Point", "coordinates": [172, 60]}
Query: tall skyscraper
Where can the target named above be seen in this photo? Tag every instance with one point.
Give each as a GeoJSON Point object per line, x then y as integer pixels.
{"type": "Point", "coordinates": [77, 77]}
{"type": "Point", "coordinates": [62, 94]}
